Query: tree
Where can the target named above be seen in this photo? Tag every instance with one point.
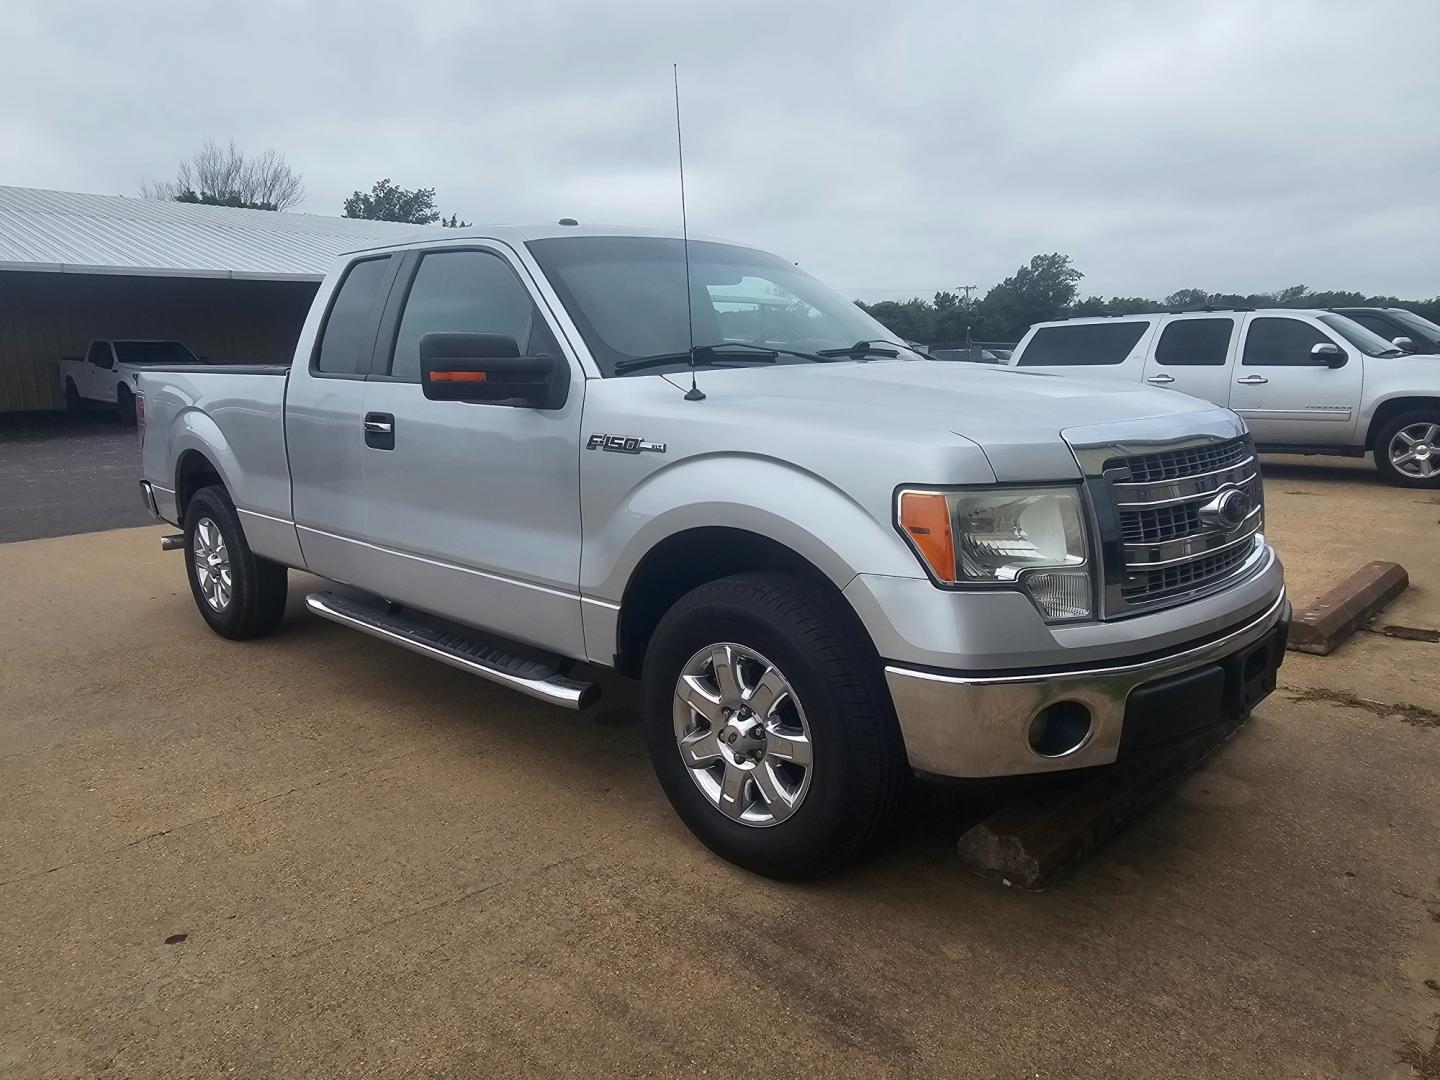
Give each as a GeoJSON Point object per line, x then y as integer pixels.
{"type": "Point", "coordinates": [1040, 290]}
{"type": "Point", "coordinates": [224, 176]}
{"type": "Point", "coordinates": [390, 202]}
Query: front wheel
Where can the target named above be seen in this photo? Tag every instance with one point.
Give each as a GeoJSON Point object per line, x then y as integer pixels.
{"type": "Point", "coordinates": [1407, 450]}
{"type": "Point", "coordinates": [769, 725]}
{"type": "Point", "coordinates": [239, 594]}
{"type": "Point", "coordinates": [74, 403]}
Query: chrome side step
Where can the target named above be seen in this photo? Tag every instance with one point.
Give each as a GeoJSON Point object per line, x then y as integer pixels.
{"type": "Point", "coordinates": [541, 679]}
{"type": "Point", "coordinates": [173, 542]}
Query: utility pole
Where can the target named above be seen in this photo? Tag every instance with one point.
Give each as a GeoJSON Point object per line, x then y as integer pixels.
{"type": "Point", "coordinates": [967, 290]}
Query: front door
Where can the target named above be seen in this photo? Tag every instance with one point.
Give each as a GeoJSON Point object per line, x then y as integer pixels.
{"type": "Point", "coordinates": [475, 507]}
{"type": "Point", "coordinates": [1287, 395]}
{"type": "Point", "coordinates": [1193, 355]}
{"type": "Point", "coordinates": [97, 380]}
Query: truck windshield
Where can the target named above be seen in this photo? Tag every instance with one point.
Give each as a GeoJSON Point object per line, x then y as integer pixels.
{"type": "Point", "coordinates": [1428, 332]}
{"type": "Point", "coordinates": [626, 294]}
{"type": "Point", "coordinates": [1367, 341]}
{"type": "Point", "coordinates": [153, 352]}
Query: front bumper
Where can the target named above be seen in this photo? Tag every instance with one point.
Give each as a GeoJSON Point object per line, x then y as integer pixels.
{"type": "Point", "coordinates": [980, 725]}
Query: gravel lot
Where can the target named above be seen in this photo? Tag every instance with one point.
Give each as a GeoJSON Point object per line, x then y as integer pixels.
{"type": "Point", "coordinates": [315, 855]}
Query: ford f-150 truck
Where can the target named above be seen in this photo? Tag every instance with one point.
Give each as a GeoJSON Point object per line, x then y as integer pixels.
{"type": "Point", "coordinates": [109, 371]}
{"type": "Point", "coordinates": [831, 561]}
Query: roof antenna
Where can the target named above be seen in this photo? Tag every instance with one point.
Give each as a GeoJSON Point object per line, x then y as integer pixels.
{"type": "Point", "coordinates": [694, 393]}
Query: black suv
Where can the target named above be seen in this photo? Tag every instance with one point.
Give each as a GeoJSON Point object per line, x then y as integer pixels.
{"type": "Point", "coordinates": [1393, 323]}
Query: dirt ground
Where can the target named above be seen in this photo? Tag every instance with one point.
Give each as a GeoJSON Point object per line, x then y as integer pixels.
{"type": "Point", "coordinates": [316, 855]}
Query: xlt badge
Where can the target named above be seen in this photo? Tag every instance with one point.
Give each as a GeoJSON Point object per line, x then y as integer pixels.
{"type": "Point", "coordinates": [623, 444]}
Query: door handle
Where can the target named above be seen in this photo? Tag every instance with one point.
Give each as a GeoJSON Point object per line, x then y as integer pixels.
{"type": "Point", "coordinates": [380, 430]}
{"type": "Point", "coordinates": [1252, 380]}
{"type": "Point", "coordinates": [1161, 379]}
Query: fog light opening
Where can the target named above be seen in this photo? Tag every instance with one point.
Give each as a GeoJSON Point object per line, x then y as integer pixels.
{"type": "Point", "coordinates": [1255, 664]}
{"type": "Point", "coordinates": [1060, 729]}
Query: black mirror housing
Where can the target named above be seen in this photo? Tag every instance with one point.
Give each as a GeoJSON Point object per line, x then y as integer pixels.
{"type": "Point", "coordinates": [489, 368]}
{"type": "Point", "coordinates": [1329, 354]}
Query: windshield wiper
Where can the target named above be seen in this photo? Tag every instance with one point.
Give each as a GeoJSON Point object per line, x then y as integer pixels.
{"type": "Point", "coordinates": [861, 349]}
{"type": "Point", "coordinates": [711, 355]}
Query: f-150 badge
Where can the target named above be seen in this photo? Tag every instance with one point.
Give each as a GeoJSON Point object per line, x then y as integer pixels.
{"type": "Point", "coordinates": [623, 444]}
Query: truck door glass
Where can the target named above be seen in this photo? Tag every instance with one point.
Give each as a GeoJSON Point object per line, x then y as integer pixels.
{"type": "Point", "coordinates": [1281, 342]}
{"type": "Point", "coordinates": [100, 355]}
{"type": "Point", "coordinates": [1195, 342]}
{"type": "Point", "coordinates": [349, 331]}
{"type": "Point", "coordinates": [466, 292]}
{"type": "Point", "coordinates": [1088, 344]}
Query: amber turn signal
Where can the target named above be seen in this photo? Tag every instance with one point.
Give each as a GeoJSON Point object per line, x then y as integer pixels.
{"type": "Point", "coordinates": [925, 517]}
{"type": "Point", "coordinates": [457, 376]}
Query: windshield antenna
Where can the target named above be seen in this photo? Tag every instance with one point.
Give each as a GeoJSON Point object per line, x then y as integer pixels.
{"type": "Point", "coordinates": [694, 393]}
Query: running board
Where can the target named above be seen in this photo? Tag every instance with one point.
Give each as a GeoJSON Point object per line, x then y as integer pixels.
{"type": "Point", "coordinates": [541, 679]}
{"type": "Point", "coordinates": [172, 543]}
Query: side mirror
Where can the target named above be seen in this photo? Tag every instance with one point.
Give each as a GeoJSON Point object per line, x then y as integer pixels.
{"type": "Point", "coordinates": [1329, 354]}
{"type": "Point", "coordinates": [489, 368]}
{"type": "Point", "coordinates": [1403, 343]}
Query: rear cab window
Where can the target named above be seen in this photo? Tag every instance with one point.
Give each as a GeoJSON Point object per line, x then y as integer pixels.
{"type": "Point", "coordinates": [1082, 344]}
{"type": "Point", "coordinates": [347, 337]}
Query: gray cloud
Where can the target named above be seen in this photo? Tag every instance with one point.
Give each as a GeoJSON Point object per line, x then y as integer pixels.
{"type": "Point", "coordinates": [891, 148]}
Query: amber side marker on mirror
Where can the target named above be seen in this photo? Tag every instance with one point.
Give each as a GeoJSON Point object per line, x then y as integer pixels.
{"type": "Point", "coordinates": [457, 376]}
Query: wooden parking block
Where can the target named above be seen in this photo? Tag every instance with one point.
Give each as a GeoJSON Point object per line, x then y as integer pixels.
{"type": "Point", "coordinates": [1347, 607]}
{"type": "Point", "coordinates": [1035, 840]}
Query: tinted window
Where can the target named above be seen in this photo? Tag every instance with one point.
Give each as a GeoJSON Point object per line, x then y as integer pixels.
{"type": "Point", "coordinates": [466, 292]}
{"type": "Point", "coordinates": [1195, 342]}
{"type": "Point", "coordinates": [1375, 324]}
{"type": "Point", "coordinates": [1279, 342]}
{"type": "Point", "coordinates": [1087, 343]}
{"type": "Point", "coordinates": [99, 353]}
{"type": "Point", "coordinates": [1417, 327]}
{"type": "Point", "coordinates": [349, 332]}
{"type": "Point", "coordinates": [153, 352]}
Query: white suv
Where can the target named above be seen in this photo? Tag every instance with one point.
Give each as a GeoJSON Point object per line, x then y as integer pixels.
{"type": "Point", "coordinates": [1310, 382]}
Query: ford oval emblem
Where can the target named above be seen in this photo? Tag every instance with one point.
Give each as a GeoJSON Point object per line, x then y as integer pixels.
{"type": "Point", "coordinates": [1229, 509]}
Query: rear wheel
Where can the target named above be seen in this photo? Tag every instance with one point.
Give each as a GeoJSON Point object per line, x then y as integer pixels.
{"type": "Point", "coordinates": [238, 593]}
{"type": "Point", "coordinates": [1407, 449]}
{"type": "Point", "coordinates": [125, 406]}
{"type": "Point", "coordinates": [769, 725]}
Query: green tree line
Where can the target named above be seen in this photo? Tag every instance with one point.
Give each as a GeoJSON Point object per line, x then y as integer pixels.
{"type": "Point", "coordinates": [1048, 287]}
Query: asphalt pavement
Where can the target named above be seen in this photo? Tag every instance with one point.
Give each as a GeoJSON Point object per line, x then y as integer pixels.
{"type": "Point", "coordinates": [61, 475]}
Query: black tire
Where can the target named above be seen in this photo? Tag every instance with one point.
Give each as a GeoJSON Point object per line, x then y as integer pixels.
{"type": "Point", "coordinates": [859, 764]}
{"type": "Point", "coordinates": [256, 597]}
{"type": "Point", "coordinates": [74, 403]}
{"type": "Point", "coordinates": [1391, 431]}
{"type": "Point", "coordinates": [125, 406]}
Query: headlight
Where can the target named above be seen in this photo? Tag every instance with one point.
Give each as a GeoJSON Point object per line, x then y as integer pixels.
{"type": "Point", "coordinates": [1030, 537]}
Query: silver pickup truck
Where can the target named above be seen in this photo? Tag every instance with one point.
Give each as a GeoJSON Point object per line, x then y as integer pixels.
{"type": "Point", "coordinates": [832, 562]}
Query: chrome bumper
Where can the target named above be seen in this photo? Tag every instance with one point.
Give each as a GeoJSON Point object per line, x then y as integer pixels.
{"type": "Point", "coordinates": [979, 725]}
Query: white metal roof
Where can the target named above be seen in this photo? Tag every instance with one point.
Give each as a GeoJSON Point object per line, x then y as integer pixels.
{"type": "Point", "coordinates": [68, 232]}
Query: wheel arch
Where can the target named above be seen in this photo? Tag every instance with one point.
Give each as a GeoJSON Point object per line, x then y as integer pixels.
{"type": "Point", "coordinates": [193, 471]}
{"type": "Point", "coordinates": [1390, 408]}
{"type": "Point", "coordinates": [688, 559]}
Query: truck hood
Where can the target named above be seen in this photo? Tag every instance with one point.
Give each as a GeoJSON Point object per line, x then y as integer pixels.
{"type": "Point", "coordinates": [1016, 417]}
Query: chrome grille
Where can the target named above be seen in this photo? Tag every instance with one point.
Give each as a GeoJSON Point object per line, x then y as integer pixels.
{"type": "Point", "coordinates": [1168, 550]}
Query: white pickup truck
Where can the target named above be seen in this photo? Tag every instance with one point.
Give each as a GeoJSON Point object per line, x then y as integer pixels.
{"type": "Point", "coordinates": [1309, 382]}
{"type": "Point", "coordinates": [110, 370]}
{"type": "Point", "coordinates": [831, 562]}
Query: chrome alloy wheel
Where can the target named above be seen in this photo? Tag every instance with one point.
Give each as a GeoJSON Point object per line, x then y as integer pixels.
{"type": "Point", "coordinates": [742, 733]}
{"type": "Point", "coordinates": [212, 565]}
{"type": "Point", "coordinates": [1415, 450]}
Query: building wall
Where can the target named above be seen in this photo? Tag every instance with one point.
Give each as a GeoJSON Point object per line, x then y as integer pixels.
{"type": "Point", "coordinates": [46, 316]}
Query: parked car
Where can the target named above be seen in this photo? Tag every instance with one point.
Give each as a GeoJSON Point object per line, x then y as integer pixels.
{"type": "Point", "coordinates": [1309, 382]}
{"type": "Point", "coordinates": [1405, 330]}
{"type": "Point", "coordinates": [109, 370]}
{"type": "Point", "coordinates": [829, 560]}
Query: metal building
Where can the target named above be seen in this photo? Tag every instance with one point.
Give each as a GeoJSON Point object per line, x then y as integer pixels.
{"type": "Point", "coordinates": [233, 285]}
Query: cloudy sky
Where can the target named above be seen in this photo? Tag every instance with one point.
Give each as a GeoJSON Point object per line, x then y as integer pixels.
{"type": "Point", "coordinates": [893, 147]}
